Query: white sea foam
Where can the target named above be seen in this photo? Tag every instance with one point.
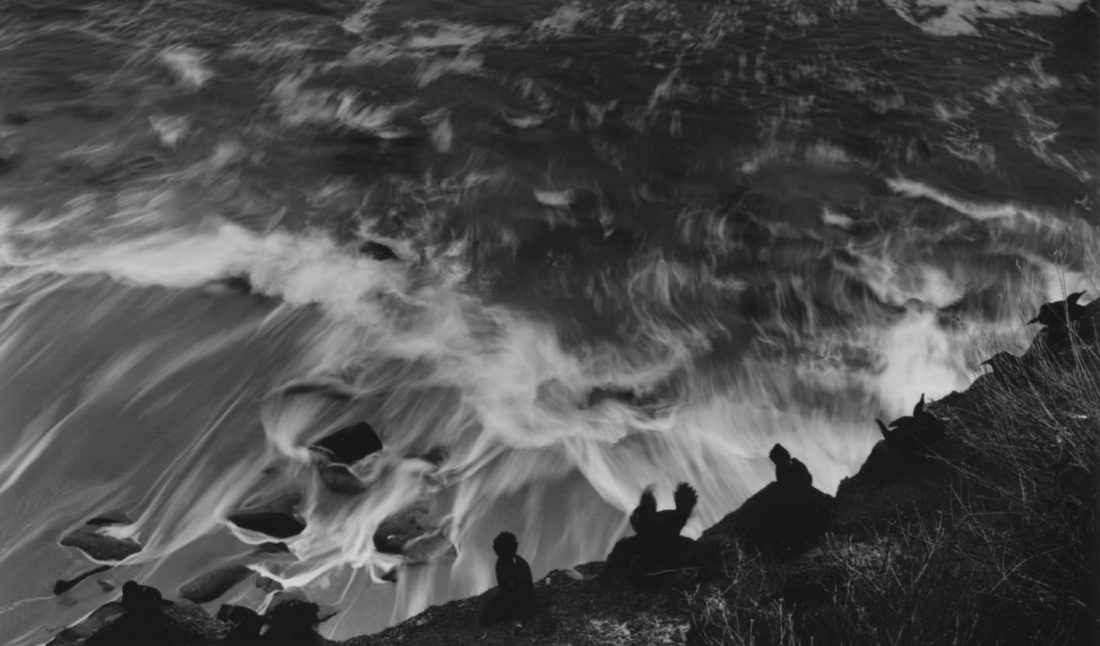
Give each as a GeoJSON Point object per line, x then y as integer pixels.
{"type": "Point", "coordinates": [189, 65]}
{"type": "Point", "coordinates": [962, 17]}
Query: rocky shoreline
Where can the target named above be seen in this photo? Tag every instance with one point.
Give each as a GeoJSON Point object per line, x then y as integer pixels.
{"type": "Point", "coordinates": [932, 537]}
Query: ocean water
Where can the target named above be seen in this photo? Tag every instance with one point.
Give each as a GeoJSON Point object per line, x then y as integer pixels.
{"type": "Point", "coordinates": [637, 242]}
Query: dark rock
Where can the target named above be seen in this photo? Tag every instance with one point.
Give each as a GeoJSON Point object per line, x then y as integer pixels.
{"type": "Point", "coordinates": [625, 396]}
{"type": "Point", "coordinates": [271, 547]}
{"type": "Point", "coordinates": [141, 599]}
{"type": "Point", "coordinates": [291, 622]}
{"type": "Point", "coordinates": [62, 586]}
{"type": "Point", "coordinates": [114, 517]}
{"type": "Point", "coordinates": [232, 613]}
{"type": "Point", "coordinates": [98, 546]}
{"type": "Point", "coordinates": [340, 479]}
{"type": "Point", "coordinates": [268, 584]}
{"type": "Point", "coordinates": [377, 251]}
{"type": "Point", "coordinates": [276, 524]}
{"type": "Point", "coordinates": [657, 546]}
{"type": "Point", "coordinates": [100, 618]}
{"type": "Point", "coordinates": [395, 532]}
{"type": "Point", "coordinates": [277, 518]}
{"type": "Point", "coordinates": [636, 560]}
{"type": "Point", "coordinates": [349, 444]}
{"type": "Point", "coordinates": [236, 284]}
{"type": "Point", "coordinates": [778, 520]}
{"type": "Point", "coordinates": [245, 624]}
{"type": "Point", "coordinates": [213, 584]}
{"type": "Point", "coordinates": [435, 455]}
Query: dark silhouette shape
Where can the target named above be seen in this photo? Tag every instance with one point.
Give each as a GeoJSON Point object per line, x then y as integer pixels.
{"type": "Point", "coordinates": [515, 594]}
{"type": "Point", "coordinates": [245, 624]}
{"type": "Point", "coordinates": [276, 524]}
{"type": "Point", "coordinates": [349, 444]}
{"type": "Point", "coordinates": [291, 622]}
{"type": "Point", "coordinates": [141, 599]}
{"type": "Point", "coordinates": [656, 554]}
{"type": "Point", "coordinates": [61, 585]}
{"type": "Point", "coordinates": [914, 433]}
{"type": "Point", "coordinates": [663, 526]}
{"type": "Point", "coordinates": [377, 251]}
{"type": "Point", "coordinates": [1060, 314]}
{"type": "Point", "coordinates": [789, 472]}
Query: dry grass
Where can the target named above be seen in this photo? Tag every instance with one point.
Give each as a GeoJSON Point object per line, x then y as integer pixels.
{"type": "Point", "coordinates": [1010, 558]}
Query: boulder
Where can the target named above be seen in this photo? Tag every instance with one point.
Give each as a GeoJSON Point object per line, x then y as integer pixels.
{"type": "Point", "coordinates": [210, 585]}
{"type": "Point", "coordinates": [349, 444]}
{"type": "Point", "coordinates": [778, 520]}
{"type": "Point", "coordinates": [277, 517]}
{"type": "Point", "coordinates": [277, 524]}
{"type": "Point", "coordinates": [395, 532]}
{"type": "Point", "coordinates": [91, 539]}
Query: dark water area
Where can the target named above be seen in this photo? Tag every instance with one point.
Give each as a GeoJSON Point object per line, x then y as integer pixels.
{"type": "Point", "coordinates": [615, 244]}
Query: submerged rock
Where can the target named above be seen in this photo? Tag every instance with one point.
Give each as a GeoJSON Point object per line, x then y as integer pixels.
{"type": "Point", "coordinates": [377, 251]}
{"type": "Point", "coordinates": [276, 518]}
{"type": "Point", "coordinates": [100, 618]}
{"type": "Point", "coordinates": [276, 524]}
{"type": "Point", "coordinates": [213, 584]}
{"type": "Point", "coordinates": [236, 284]}
{"type": "Point", "coordinates": [349, 444]}
{"type": "Point", "coordinates": [395, 532]}
{"type": "Point", "coordinates": [91, 540]}
{"type": "Point", "coordinates": [61, 586]}
{"type": "Point", "coordinates": [340, 479]}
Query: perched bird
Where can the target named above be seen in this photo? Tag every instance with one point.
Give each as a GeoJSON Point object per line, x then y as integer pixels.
{"type": "Point", "coordinates": [1060, 314]}
{"type": "Point", "coordinates": [789, 471]}
{"type": "Point", "coordinates": [515, 597]}
{"type": "Point", "coordinates": [912, 433]}
{"type": "Point", "coordinates": [648, 523]}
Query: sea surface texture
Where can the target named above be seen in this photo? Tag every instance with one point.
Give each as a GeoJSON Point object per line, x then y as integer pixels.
{"type": "Point", "coordinates": [551, 251]}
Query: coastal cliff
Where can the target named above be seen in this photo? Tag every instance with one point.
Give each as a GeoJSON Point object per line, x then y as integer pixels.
{"type": "Point", "coordinates": [972, 521]}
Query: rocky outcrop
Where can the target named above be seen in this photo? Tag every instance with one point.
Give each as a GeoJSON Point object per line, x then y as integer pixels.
{"type": "Point", "coordinates": [795, 537]}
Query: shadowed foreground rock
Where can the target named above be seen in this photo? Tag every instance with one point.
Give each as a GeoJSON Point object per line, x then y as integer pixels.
{"type": "Point", "coordinates": [782, 519]}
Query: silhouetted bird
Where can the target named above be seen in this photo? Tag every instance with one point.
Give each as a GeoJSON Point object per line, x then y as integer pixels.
{"type": "Point", "coordinates": [652, 525]}
{"type": "Point", "coordinates": [515, 595]}
{"type": "Point", "coordinates": [1060, 314]}
{"type": "Point", "coordinates": [912, 433]}
{"type": "Point", "coordinates": [789, 472]}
